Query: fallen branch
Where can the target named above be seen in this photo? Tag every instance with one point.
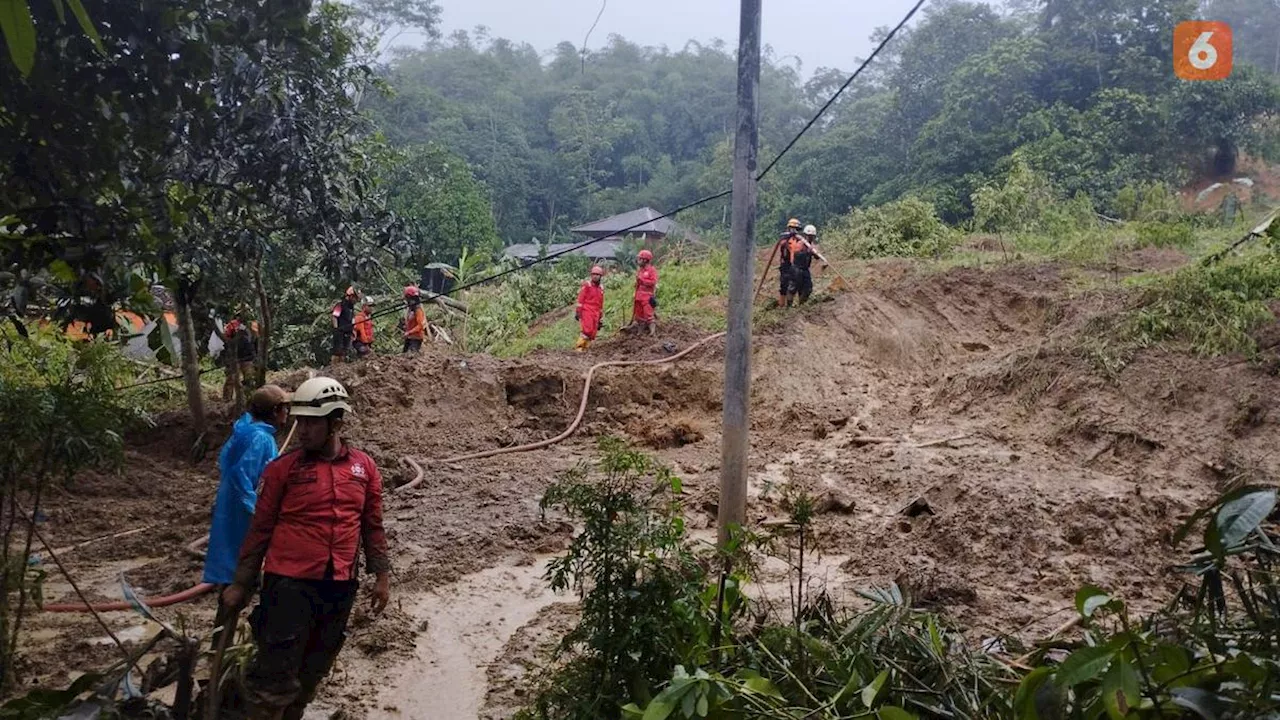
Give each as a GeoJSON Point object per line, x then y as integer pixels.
{"type": "Point", "coordinates": [1073, 622]}
{"type": "Point", "coordinates": [872, 440]}
{"type": "Point", "coordinates": [943, 441]}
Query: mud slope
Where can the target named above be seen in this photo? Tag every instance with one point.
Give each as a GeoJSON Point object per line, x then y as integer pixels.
{"type": "Point", "coordinates": [1050, 476]}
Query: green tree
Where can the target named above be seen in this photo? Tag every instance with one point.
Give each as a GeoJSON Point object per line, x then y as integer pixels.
{"type": "Point", "coordinates": [446, 210]}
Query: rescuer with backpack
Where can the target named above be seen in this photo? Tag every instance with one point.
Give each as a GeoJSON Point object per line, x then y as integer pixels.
{"type": "Point", "coordinates": [786, 267]}
{"type": "Point", "coordinates": [344, 317]}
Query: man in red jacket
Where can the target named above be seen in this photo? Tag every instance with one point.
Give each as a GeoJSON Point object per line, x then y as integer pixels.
{"type": "Point", "coordinates": [317, 506]}
{"type": "Point", "coordinates": [590, 310]}
{"type": "Point", "coordinates": [645, 302]}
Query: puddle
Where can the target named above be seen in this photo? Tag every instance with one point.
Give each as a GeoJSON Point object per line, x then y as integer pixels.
{"type": "Point", "coordinates": [468, 624]}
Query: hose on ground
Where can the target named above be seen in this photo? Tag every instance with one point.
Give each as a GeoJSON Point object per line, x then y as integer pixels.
{"type": "Point", "coordinates": [187, 595]}
{"type": "Point", "coordinates": [577, 420]}
{"type": "Point", "coordinates": [194, 547]}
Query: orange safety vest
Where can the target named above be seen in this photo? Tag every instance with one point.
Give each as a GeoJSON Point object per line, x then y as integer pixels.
{"type": "Point", "coordinates": [364, 328]}
{"type": "Point", "coordinates": [415, 327]}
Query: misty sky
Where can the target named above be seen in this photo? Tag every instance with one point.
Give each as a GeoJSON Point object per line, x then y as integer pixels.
{"type": "Point", "coordinates": [827, 33]}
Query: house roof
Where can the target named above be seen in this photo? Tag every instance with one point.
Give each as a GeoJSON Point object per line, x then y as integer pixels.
{"type": "Point", "coordinates": [601, 250]}
{"type": "Point", "coordinates": [644, 220]}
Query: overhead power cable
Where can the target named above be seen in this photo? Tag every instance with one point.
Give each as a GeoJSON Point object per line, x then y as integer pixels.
{"type": "Point", "coordinates": [683, 208]}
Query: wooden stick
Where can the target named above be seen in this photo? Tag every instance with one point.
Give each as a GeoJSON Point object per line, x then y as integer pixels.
{"type": "Point", "coordinates": [872, 440]}
{"type": "Point", "coordinates": [288, 437]}
{"type": "Point", "coordinates": [943, 441]}
{"type": "Point", "coordinates": [226, 630]}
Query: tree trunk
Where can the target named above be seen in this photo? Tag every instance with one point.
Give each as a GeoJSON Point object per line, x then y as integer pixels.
{"type": "Point", "coordinates": [264, 325]}
{"type": "Point", "coordinates": [190, 357]}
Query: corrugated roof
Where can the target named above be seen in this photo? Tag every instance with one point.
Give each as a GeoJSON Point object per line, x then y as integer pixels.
{"type": "Point", "coordinates": [646, 219]}
{"type": "Point", "coordinates": [602, 250]}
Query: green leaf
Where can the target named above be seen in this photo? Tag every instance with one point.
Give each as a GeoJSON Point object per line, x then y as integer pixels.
{"type": "Point", "coordinates": [761, 686]}
{"type": "Point", "coordinates": [1120, 689]}
{"type": "Point", "coordinates": [1024, 701]}
{"type": "Point", "coordinates": [892, 712]}
{"type": "Point", "coordinates": [935, 637]}
{"type": "Point", "coordinates": [1084, 665]}
{"type": "Point", "coordinates": [19, 34]}
{"type": "Point", "coordinates": [1089, 598]}
{"type": "Point", "coordinates": [61, 11]}
{"type": "Point", "coordinates": [1238, 518]}
{"type": "Point", "coordinates": [86, 25]}
{"type": "Point", "coordinates": [632, 712]}
{"type": "Point", "coordinates": [160, 339]}
{"type": "Point", "coordinates": [871, 692]}
{"type": "Point", "coordinates": [1201, 702]}
{"type": "Point", "coordinates": [702, 705]}
{"type": "Point", "coordinates": [677, 487]}
{"type": "Point", "coordinates": [688, 704]}
{"type": "Point", "coordinates": [61, 270]}
{"type": "Point", "coordinates": [659, 709]}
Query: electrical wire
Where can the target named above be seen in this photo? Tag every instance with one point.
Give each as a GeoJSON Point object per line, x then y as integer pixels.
{"type": "Point", "coordinates": [683, 208]}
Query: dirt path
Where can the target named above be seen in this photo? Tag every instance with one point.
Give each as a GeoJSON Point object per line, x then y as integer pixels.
{"type": "Point", "coordinates": [467, 624]}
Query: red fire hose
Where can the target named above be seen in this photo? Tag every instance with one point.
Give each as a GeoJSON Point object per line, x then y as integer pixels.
{"type": "Point", "coordinates": [189, 594]}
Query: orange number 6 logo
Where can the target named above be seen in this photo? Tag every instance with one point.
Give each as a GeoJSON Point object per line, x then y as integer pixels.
{"type": "Point", "coordinates": [1202, 50]}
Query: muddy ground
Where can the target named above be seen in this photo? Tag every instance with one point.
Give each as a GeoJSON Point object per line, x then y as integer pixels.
{"type": "Point", "coordinates": [1006, 466]}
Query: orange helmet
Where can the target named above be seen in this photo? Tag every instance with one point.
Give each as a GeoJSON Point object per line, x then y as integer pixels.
{"type": "Point", "coordinates": [411, 291]}
{"type": "Point", "coordinates": [645, 255]}
{"type": "Point", "coordinates": [793, 223]}
{"type": "Point", "coordinates": [597, 270]}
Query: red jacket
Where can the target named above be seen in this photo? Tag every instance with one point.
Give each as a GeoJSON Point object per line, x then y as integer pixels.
{"type": "Point", "coordinates": [313, 514]}
{"type": "Point", "coordinates": [646, 281]}
{"type": "Point", "coordinates": [591, 299]}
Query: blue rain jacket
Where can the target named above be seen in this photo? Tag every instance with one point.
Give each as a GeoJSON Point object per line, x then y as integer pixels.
{"type": "Point", "coordinates": [244, 456]}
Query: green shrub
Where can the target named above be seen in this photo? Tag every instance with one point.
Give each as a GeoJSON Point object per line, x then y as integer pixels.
{"type": "Point", "coordinates": [909, 227]}
{"type": "Point", "coordinates": [1165, 235]}
{"type": "Point", "coordinates": [1146, 201]}
{"type": "Point", "coordinates": [1211, 310]}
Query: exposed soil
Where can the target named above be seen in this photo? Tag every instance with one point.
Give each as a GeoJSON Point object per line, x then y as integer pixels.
{"type": "Point", "coordinates": [1006, 470]}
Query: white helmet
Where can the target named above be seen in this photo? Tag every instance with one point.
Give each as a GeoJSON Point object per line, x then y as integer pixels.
{"type": "Point", "coordinates": [319, 397]}
{"type": "Point", "coordinates": [810, 230]}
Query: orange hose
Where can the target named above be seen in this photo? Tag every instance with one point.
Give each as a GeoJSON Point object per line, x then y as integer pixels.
{"type": "Point", "coordinates": [189, 594]}
{"type": "Point", "coordinates": [577, 420]}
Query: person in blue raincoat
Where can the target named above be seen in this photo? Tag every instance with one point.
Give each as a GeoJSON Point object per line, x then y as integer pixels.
{"type": "Point", "coordinates": [244, 456]}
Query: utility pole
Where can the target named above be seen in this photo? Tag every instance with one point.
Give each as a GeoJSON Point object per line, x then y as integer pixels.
{"type": "Point", "coordinates": [737, 355]}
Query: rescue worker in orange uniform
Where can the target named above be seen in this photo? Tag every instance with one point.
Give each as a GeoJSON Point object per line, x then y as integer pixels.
{"type": "Point", "coordinates": [786, 267]}
{"type": "Point", "coordinates": [590, 310]}
{"type": "Point", "coordinates": [415, 320]}
{"type": "Point", "coordinates": [646, 299]}
{"type": "Point", "coordinates": [363, 343]}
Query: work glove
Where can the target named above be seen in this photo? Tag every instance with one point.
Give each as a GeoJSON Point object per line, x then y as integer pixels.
{"type": "Point", "coordinates": [577, 316]}
{"type": "Point", "coordinates": [653, 301]}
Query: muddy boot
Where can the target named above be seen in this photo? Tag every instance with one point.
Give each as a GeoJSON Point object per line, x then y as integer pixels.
{"type": "Point", "coordinates": [652, 328]}
{"type": "Point", "coordinates": [581, 345]}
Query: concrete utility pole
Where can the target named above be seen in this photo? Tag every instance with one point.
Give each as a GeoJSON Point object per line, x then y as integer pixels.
{"type": "Point", "coordinates": [737, 354]}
